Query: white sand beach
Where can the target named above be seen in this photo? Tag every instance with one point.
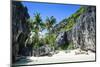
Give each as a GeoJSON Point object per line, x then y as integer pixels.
{"type": "Point", "coordinates": [59, 57]}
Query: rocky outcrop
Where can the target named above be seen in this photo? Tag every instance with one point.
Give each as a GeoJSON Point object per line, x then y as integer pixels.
{"type": "Point", "coordinates": [20, 29]}
{"type": "Point", "coordinates": [83, 33]}
{"type": "Point", "coordinates": [44, 50]}
{"type": "Point", "coordinates": [60, 39]}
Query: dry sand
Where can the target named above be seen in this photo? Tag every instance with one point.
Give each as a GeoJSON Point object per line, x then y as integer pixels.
{"type": "Point", "coordinates": [60, 57]}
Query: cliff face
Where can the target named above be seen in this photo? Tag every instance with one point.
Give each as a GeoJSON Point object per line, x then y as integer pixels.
{"type": "Point", "coordinates": [20, 28]}
{"type": "Point", "coordinates": [83, 33]}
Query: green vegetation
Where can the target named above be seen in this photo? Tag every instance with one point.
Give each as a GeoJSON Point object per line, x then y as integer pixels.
{"type": "Point", "coordinates": [37, 25]}
{"type": "Point", "coordinates": [28, 33]}
{"type": "Point", "coordinates": [68, 23]}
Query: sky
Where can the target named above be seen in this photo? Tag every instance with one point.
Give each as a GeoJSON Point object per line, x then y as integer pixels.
{"type": "Point", "coordinates": [59, 11]}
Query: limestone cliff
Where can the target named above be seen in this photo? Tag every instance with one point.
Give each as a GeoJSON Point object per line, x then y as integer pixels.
{"type": "Point", "coordinates": [83, 32]}
{"type": "Point", "coordinates": [20, 28]}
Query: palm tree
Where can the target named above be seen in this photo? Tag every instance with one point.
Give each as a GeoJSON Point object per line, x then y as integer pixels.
{"type": "Point", "coordinates": [49, 25]}
{"type": "Point", "coordinates": [50, 22]}
{"type": "Point", "coordinates": [36, 26]}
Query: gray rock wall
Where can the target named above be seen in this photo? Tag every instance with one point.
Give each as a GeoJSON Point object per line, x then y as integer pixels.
{"type": "Point", "coordinates": [84, 31]}
{"type": "Point", "coordinates": [20, 29]}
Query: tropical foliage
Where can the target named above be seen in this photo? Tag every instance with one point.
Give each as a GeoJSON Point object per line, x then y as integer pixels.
{"type": "Point", "coordinates": [37, 25]}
